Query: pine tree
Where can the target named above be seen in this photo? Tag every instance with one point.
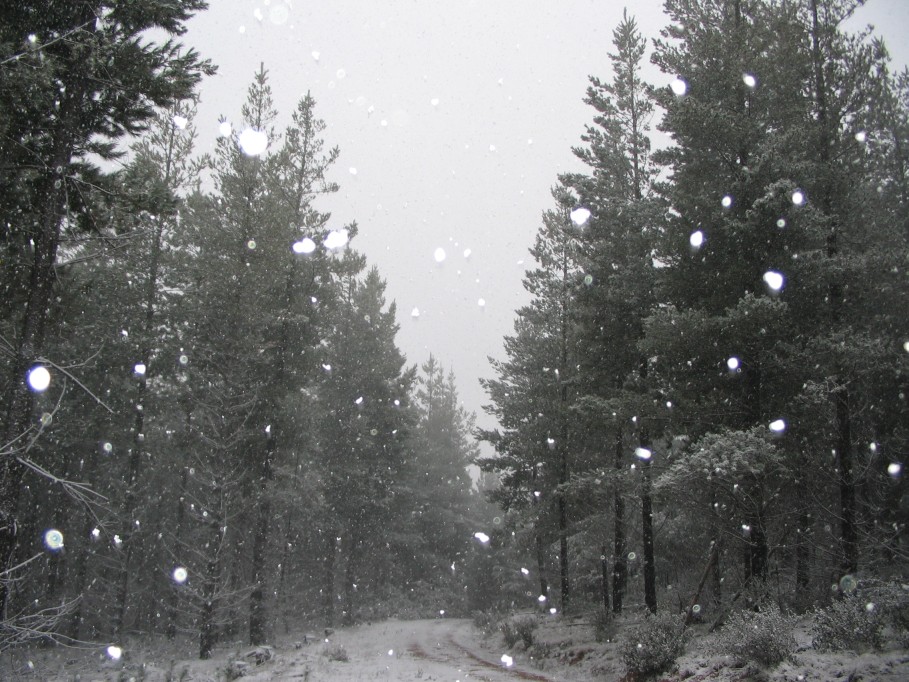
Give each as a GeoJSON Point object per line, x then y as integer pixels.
{"type": "Point", "coordinates": [58, 106]}
{"type": "Point", "coordinates": [262, 254]}
{"type": "Point", "coordinates": [766, 324]}
{"type": "Point", "coordinates": [443, 448]}
{"type": "Point", "coordinates": [532, 397]}
{"type": "Point", "coordinates": [364, 435]}
{"type": "Point", "coordinates": [620, 282]}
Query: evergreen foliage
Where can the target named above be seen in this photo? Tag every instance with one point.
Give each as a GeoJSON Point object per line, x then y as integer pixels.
{"type": "Point", "coordinates": [706, 389]}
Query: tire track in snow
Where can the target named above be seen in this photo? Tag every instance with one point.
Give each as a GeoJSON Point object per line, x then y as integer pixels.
{"type": "Point", "coordinates": [449, 651]}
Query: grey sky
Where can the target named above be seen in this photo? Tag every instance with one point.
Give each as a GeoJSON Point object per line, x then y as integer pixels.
{"type": "Point", "coordinates": [453, 118]}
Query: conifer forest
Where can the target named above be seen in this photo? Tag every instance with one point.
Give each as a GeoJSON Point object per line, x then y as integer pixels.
{"type": "Point", "coordinates": [210, 432]}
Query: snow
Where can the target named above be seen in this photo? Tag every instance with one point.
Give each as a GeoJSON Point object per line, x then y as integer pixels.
{"type": "Point", "coordinates": [580, 216]}
{"type": "Point", "coordinates": [774, 280]}
{"type": "Point", "coordinates": [565, 649]}
{"type": "Point", "coordinates": [53, 539]}
{"type": "Point", "coordinates": [39, 378]}
{"type": "Point", "coordinates": [253, 142]}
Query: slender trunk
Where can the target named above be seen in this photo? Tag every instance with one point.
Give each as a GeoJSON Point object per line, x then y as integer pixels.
{"type": "Point", "coordinates": [565, 595]}
{"type": "Point", "coordinates": [604, 577]}
{"type": "Point", "coordinates": [711, 560]}
{"type": "Point", "coordinates": [257, 610]}
{"type": "Point", "coordinates": [44, 240]}
{"type": "Point", "coordinates": [716, 578]}
{"type": "Point", "coordinates": [757, 549]}
{"type": "Point", "coordinates": [844, 450]}
{"type": "Point", "coordinates": [716, 575]}
{"type": "Point", "coordinates": [620, 562]}
{"type": "Point", "coordinates": [260, 547]}
{"type": "Point", "coordinates": [563, 447]}
{"type": "Point", "coordinates": [211, 583]}
{"type": "Point", "coordinates": [173, 596]}
{"type": "Point", "coordinates": [328, 578]}
{"type": "Point", "coordinates": [802, 554]}
{"type": "Point", "coordinates": [257, 633]}
{"type": "Point", "coordinates": [19, 398]}
{"type": "Point", "coordinates": [647, 538]}
{"type": "Point", "coordinates": [130, 530]}
{"type": "Point", "coordinates": [848, 531]}
{"type": "Point", "coordinates": [541, 560]}
{"type": "Point", "coordinates": [538, 538]}
{"type": "Point", "coordinates": [350, 577]}
{"type": "Point", "coordinates": [81, 571]}
{"type": "Point", "coordinates": [282, 572]}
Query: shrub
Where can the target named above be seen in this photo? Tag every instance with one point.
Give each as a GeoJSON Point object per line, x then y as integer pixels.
{"type": "Point", "coordinates": [336, 652]}
{"type": "Point", "coordinates": [604, 628]}
{"type": "Point", "coordinates": [485, 620]}
{"type": "Point", "coordinates": [525, 627]}
{"type": "Point", "coordinates": [651, 648]}
{"type": "Point", "coordinates": [518, 628]}
{"type": "Point", "coordinates": [891, 601]}
{"type": "Point", "coordinates": [509, 632]}
{"type": "Point", "coordinates": [848, 625]}
{"type": "Point", "coordinates": [763, 637]}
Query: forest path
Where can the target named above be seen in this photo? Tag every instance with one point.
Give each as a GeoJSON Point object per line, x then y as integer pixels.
{"type": "Point", "coordinates": [439, 649]}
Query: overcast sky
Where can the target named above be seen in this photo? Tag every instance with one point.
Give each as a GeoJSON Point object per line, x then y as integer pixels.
{"type": "Point", "coordinates": [453, 118]}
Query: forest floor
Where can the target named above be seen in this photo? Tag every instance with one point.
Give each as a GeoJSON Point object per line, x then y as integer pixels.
{"type": "Point", "coordinates": [564, 650]}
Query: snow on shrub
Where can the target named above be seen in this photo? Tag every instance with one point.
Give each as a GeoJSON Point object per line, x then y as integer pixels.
{"type": "Point", "coordinates": [525, 625]}
{"type": "Point", "coordinates": [653, 647]}
{"type": "Point", "coordinates": [763, 637]}
{"type": "Point", "coordinates": [857, 621]}
{"type": "Point", "coordinates": [336, 652]}
{"type": "Point", "coordinates": [847, 625]}
{"type": "Point", "coordinates": [518, 628]}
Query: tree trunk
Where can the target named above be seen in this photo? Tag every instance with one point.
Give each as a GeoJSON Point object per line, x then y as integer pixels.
{"type": "Point", "coordinates": [848, 511]}
{"type": "Point", "coordinates": [541, 560]}
{"type": "Point", "coordinates": [19, 398]}
{"type": "Point", "coordinates": [282, 572]}
{"type": "Point", "coordinates": [716, 578]}
{"type": "Point", "coordinates": [565, 594]}
{"type": "Point", "coordinates": [712, 559]}
{"type": "Point", "coordinates": [45, 240]}
{"type": "Point", "coordinates": [257, 614]}
{"type": "Point", "coordinates": [848, 531]}
{"type": "Point", "coordinates": [173, 596]}
{"type": "Point", "coordinates": [350, 577]}
{"type": "Point", "coordinates": [328, 579]}
{"type": "Point", "coordinates": [208, 634]}
{"type": "Point", "coordinates": [538, 538]}
{"type": "Point", "coordinates": [604, 577]}
{"type": "Point", "coordinates": [620, 562]}
{"type": "Point", "coordinates": [647, 538]}
{"type": "Point", "coordinates": [257, 628]}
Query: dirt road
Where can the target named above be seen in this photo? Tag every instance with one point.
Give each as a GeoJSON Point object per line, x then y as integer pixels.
{"type": "Point", "coordinates": [448, 650]}
{"type": "Point", "coordinates": [444, 649]}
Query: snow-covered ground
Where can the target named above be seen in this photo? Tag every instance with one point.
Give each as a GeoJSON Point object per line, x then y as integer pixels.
{"type": "Point", "coordinates": [442, 649]}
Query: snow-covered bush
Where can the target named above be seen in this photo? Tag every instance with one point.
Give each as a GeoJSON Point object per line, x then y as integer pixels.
{"type": "Point", "coordinates": [848, 625]}
{"type": "Point", "coordinates": [526, 625]}
{"type": "Point", "coordinates": [485, 620]}
{"type": "Point", "coordinates": [509, 632]}
{"type": "Point", "coordinates": [604, 627]}
{"type": "Point", "coordinates": [336, 652]}
{"type": "Point", "coordinates": [763, 637]}
{"type": "Point", "coordinates": [891, 601]}
{"type": "Point", "coordinates": [653, 647]}
{"type": "Point", "coordinates": [518, 628]}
